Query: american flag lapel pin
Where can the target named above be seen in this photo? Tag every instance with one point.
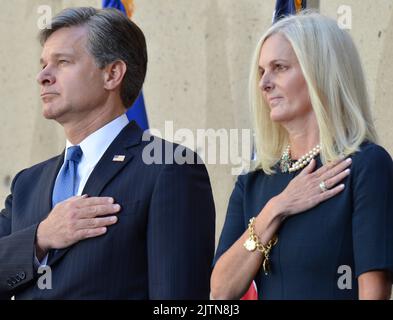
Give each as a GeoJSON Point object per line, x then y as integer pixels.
{"type": "Point", "coordinates": [118, 158]}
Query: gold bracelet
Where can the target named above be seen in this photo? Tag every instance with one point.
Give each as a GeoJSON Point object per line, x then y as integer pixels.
{"type": "Point", "coordinates": [253, 243]}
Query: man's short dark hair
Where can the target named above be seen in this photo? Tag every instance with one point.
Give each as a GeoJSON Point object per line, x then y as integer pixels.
{"type": "Point", "coordinates": [111, 36]}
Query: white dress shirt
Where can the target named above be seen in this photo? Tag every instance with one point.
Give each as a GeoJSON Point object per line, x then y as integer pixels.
{"type": "Point", "coordinates": [93, 148]}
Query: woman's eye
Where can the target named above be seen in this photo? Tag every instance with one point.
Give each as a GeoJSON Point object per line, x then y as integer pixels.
{"type": "Point", "coordinates": [280, 67]}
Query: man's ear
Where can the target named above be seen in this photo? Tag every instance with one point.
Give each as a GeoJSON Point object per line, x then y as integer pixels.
{"type": "Point", "coordinates": [113, 74]}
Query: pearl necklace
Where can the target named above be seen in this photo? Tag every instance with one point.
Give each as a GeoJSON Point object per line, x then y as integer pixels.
{"type": "Point", "coordinates": [286, 161]}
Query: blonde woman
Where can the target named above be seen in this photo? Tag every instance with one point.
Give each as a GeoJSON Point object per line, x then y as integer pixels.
{"type": "Point", "coordinates": [315, 220]}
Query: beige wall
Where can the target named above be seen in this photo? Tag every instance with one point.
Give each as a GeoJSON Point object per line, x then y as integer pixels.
{"type": "Point", "coordinates": [199, 55]}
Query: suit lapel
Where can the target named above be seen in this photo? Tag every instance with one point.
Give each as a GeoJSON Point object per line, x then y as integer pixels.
{"type": "Point", "coordinates": [106, 169]}
{"type": "Point", "coordinates": [49, 178]}
{"type": "Point", "coordinates": [50, 175]}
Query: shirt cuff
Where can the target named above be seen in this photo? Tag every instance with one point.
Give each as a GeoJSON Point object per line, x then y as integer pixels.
{"type": "Point", "coordinates": [41, 263]}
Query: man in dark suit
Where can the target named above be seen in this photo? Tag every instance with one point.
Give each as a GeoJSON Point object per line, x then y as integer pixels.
{"type": "Point", "coordinates": [101, 219]}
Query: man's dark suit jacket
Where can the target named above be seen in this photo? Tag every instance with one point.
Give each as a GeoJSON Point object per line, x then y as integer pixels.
{"type": "Point", "coordinates": [161, 247]}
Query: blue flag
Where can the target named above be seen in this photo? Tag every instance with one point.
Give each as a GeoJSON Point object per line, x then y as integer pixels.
{"type": "Point", "coordinates": [117, 4]}
{"type": "Point", "coordinates": [137, 111]}
{"type": "Point", "coordinates": [288, 7]}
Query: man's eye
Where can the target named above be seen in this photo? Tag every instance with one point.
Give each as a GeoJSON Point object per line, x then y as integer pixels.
{"type": "Point", "coordinates": [63, 61]}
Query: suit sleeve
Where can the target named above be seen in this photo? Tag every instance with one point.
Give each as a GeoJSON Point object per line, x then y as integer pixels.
{"type": "Point", "coordinates": [181, 233]}
{"type": "Point", "coordinates": [16, 252]}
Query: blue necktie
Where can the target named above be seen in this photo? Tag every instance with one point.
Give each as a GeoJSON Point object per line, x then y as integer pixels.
{"type": "Point", "coordinates": [66, 184]}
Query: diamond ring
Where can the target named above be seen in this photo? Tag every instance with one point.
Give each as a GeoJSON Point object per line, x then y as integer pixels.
{"type": "Point", "coordinates": [323, 187]}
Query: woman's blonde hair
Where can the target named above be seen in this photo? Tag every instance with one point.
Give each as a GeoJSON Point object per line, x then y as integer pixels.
{"type": "Point", "coordinates": [333, 72]}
